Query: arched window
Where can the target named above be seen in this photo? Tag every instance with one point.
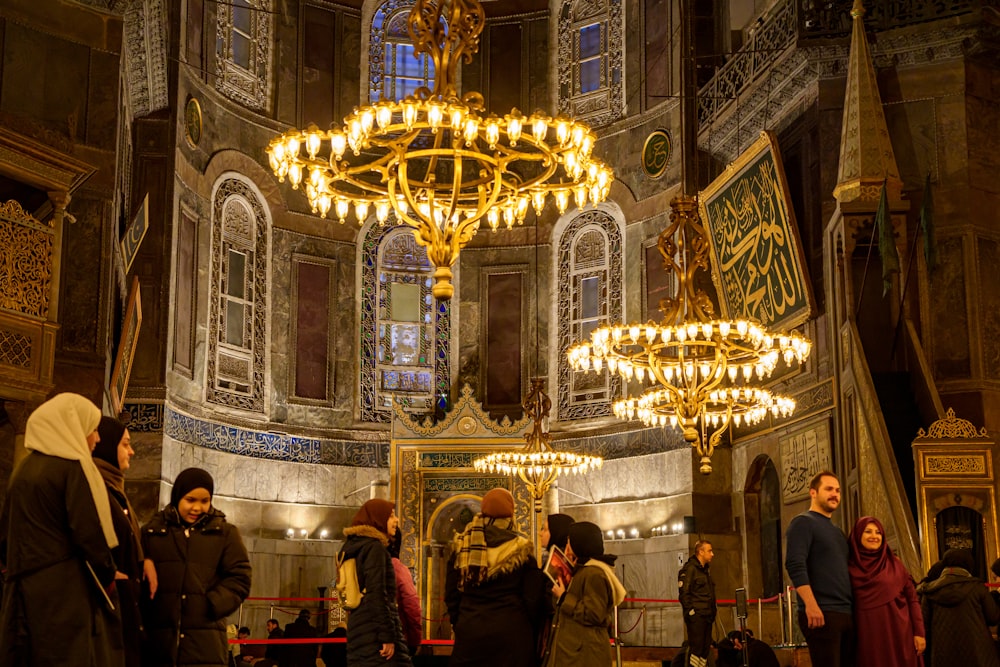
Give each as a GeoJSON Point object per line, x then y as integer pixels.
{"type": "Point", "coordinates": [238, 311]}
{"type": "Point", "coordinates": [405, 332]}
{"type": "Point", "coordinates": [244, 33]}
{"type": "Point", "coordinates": [394, 71]}
{"type": "Point", "coordinates": [589, 264]}
{"type": "Point", "coordinates": [590, 60]}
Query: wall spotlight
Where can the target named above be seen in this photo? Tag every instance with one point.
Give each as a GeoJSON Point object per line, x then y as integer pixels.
{"type": "Point", "coordinates": [323, 533]}
{"type": "Point", "coordinates": [290, 533]}
{"type": "Point", "coordinates": [634, 532]}
{"type": "Point", "coordinates": [611, 534]}
{"type": "Point", "coordinates": [621, 534]}
{"type": "Point", "coordinates": [303, 533]}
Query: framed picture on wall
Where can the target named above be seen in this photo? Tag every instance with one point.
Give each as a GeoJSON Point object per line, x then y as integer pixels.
{"type": "Point", "coordinates": [126, 347]}
{"type": "Point", "coordinates": [803, 454]}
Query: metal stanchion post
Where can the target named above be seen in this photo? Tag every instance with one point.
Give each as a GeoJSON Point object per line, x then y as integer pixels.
{"type": "Point", "coordinates": [788, 615]}
{"type": "Point", "coordinates": [760, 617]}
{"type": "Point", "coordinates": [618, 641]}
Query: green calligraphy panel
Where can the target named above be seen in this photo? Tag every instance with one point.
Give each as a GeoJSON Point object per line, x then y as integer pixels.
{"type": "Point", "coordinates": [756, 252]}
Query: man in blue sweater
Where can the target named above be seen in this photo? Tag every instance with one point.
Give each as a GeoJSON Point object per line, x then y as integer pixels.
{"type": "Point", "coordinates": [816, 560]}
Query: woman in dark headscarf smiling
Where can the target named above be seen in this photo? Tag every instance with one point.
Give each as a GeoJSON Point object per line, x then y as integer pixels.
{"type": "Point", "coordinates": [886, 612]}
{"type": "Point", "coordinates": [112, 456]}
{"type": "Point", "coordinates": [203, 575]}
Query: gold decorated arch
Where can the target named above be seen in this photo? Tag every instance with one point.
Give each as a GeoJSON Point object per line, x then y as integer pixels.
{"type": "Point", "coordinates": [436, 487]}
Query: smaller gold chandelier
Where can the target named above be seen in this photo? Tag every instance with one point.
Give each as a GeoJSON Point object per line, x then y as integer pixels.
{"type": "Point", "coordinates": [701, 369]}
{"type": "Point", "coordinates": [434, 161]}
{"type": "Point", "coordinates": [537, 465]}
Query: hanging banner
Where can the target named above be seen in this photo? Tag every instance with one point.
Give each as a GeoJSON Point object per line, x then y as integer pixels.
{"type": "Point", "coordinates": [757, 261]}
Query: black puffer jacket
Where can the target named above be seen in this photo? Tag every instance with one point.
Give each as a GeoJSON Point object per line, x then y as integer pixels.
{"type": "Point", "coordinates": [957, 609]}
{"type": "Point", "coordinates": [203, 577]}
{"type": "Point", "coordinates": [376, 621]}
{"type": "Point", "coordinates": [497, 622]}
{"type": "Point", "coordinates": [696, 589]}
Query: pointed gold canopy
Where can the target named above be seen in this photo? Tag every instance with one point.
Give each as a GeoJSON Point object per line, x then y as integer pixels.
{"type": "Point", "coordinates": [866, 157]}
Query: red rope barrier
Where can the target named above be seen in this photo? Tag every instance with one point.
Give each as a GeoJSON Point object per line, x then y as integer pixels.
{"type": "Point", "coordinates": [294, 599]}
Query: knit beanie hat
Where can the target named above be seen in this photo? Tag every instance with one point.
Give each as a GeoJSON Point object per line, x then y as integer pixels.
{"type": "Point", "coordinates": [497, 504]}
{"type": "Point", "coordinates": [188, 480]}
{"type": "Point", "coordinates": [111, 431]}
{"type": "Point", "coordinates": [559, 529]}
{"type": "Point", "coordinates": [587, 541]}
{"type": "Point", "coordinates": [375, 513]}
{"type": "Point", "coordinates": [959, 558]}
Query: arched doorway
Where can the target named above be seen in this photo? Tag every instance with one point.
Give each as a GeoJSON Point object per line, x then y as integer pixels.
{"type": "Point", "coordinates": [961, 527]}
{"type": "Point", "coordinates": [445, 523]}
{"type": "Point", "coordinates": [762, 515]}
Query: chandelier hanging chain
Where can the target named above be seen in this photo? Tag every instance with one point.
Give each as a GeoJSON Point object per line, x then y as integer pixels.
{"type": "Point", "coordinates": [692, 369]}
{"type": "Point", "coordinates": [435, 160]}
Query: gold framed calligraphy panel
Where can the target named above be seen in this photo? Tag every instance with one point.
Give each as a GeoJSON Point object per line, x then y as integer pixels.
{"type": "Point", "coordinates": [757, 260]}
{"type": "Point", "coordinates": [126, 347]}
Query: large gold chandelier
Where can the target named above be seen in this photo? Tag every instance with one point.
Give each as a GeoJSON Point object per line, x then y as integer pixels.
{"type": "Point", "coordinates": [433, 159]}
{"type": "Point", "coordinates": [537, 464]}
{"type": "Point", "coordinates": [693, 370]}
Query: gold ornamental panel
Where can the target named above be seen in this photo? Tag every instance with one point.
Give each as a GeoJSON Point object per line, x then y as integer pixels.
{"type": "Point", "coordinates": [25, 262]}
{"type": "Point", "coordinates": [971, 465]}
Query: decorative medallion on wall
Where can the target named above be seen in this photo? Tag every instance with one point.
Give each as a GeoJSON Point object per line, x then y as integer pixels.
{"type": "Point", "coordinates": [192, 121]}
{"type": "Point", "coordinates": [656, 153]}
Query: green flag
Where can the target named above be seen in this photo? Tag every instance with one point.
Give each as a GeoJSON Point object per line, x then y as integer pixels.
{"type": "Point", "coordinates": [927, 225]}
{"type": "Point", "coordinates": [886, 242]}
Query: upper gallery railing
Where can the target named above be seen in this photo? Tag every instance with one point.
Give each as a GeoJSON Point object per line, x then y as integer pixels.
{"type": "Point", "coordinates": [797, 22]}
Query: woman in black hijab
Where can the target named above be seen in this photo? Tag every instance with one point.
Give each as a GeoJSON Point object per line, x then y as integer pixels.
{"type": "Point", "coordinates": [202, 572]}
{"type": "Point", "coordinates": [112, 456]}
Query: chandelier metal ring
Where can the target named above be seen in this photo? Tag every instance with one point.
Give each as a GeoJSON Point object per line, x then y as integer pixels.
{"type": "Point", "coordinates": [435, 160]}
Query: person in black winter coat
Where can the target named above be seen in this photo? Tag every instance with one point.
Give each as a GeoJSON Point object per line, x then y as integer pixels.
{"type": "Point", "coordinates": [696, 591]}
{"type": "Point", "coordinates": [300, 655]}
{"type": "Point", "coordinates": [112, 456]}
{"type": "Point", "coordinates": [56, 521]}
{"type": "Point", "coordinates": [494, 590]}
{"type": "Point", "coordinates": [957, 609]}
{"type": "Point", "coordinates": [374, 633]}
{"type": "Point", "coordinates": [202, 576]}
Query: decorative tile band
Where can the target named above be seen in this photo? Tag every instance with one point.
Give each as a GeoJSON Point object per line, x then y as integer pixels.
{"type": "Point", "coordinates": [296, 449]}
{"type": "Point", "coordinates": [274, 446]}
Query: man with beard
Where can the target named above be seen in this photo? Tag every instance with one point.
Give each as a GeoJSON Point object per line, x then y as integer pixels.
{"type": "Point", "coordinates": [816, 561]}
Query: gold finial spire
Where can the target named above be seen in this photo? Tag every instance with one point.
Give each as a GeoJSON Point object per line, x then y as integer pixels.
{"type": "Point", "coordinates": [866, 156]}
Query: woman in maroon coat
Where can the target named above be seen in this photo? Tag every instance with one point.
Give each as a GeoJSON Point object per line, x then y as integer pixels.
{"type": "Point", "coordinates": [886, 611]}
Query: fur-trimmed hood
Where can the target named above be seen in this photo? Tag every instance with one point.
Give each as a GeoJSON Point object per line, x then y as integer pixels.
{"type": "Point", "coordinates": [367, 531]}
{"type": "Point", "coordinates": [507, 557]}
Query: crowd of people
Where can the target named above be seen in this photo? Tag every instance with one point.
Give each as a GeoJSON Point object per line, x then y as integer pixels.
{"type": "Point", "coordinates": [858, 605]}
{"type": "Point", "coordinates": [122, 595]}
{"type": "Point", "coordinates": [84, 584]}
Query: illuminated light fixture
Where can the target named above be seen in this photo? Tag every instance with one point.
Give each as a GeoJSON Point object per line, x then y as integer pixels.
{"type": "Point", "coordinates": [692, 370]}
{"type": "Point", "coordinates": [435, 160]}
{"type": "Point", "coordinates": [537, 464]}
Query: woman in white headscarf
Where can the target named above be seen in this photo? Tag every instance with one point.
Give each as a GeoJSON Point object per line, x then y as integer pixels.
{"type": "Point", "coordinates": [56, 536]}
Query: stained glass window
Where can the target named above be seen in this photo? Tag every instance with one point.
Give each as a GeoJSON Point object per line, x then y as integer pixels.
{"type": "Point", "coordinates": [405, 339]}
{"type": "Point", "coordinates": [395, 70]}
